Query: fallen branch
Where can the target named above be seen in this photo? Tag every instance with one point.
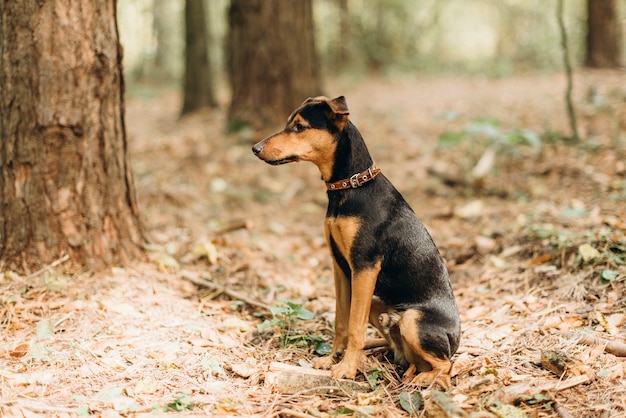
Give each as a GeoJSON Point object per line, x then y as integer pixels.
{"type": "Point", "coordinates": [52, 265]}
{"type": "Point", "coordinates": [516, 392]}
{"type": "Point", "coordinates": [291, 380]}
{"type": "Point", "coordinates": [612, 347]}
{"type": "Point", "coordinates": [375, 343]}
{"type": "Point", "coordinates": [233, 294]}
{"type": "Point", "coordinates": [234, 227]}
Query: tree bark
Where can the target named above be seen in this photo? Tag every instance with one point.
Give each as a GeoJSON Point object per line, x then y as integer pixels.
{"type": "Point", "coordinates": [604, 35]}
{"type": "Point", "coordinates": [65, 180]}
{"type": "Point", "coordinates": [198, 89]}
{"type": "Point", "coordinates": [272, 62]}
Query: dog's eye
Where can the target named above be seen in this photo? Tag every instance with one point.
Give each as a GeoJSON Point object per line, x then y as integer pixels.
{"type": "Point", "coordinates": [298, 127]}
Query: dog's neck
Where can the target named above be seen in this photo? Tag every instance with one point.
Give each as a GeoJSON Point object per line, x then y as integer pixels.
{"type": "Point", "coordinates": [351, 155]}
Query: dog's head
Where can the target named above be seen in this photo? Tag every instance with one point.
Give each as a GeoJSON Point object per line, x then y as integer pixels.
{"type": "Point", "coordinates": [310, 134]}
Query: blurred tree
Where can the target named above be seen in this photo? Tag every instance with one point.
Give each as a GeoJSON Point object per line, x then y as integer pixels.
{"type": "Point", "coordinates": [198, 88]}
{"type": "Point", "coordinates": [604, 34]}
{"type": "Point", "coordinates": [344, 33]}
{"type": "Point", "coordinates": [65, 180]}
{"type": "Point", "coordinates": [272, 63]}
{"type": "Point", "coordinates": [161, 52]}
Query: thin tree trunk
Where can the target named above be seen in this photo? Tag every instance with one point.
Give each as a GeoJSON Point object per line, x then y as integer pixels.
{"type": "Point", "coordinates": [604, 35]}
{"type": "Point", "coordinates": [568, 72]}
{"type": "Point", "coordinates": [272, 62]}
{"type": "Point", "coordinates": [198, 88]}
{"type": "Point", "coordinates": [65, 182]}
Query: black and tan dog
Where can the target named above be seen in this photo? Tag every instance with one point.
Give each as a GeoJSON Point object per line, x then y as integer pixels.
{"type": "Point", "coordinates": [387, 268]}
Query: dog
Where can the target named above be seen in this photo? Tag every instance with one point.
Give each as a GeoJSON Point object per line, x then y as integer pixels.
{"type": "Point", "coordinates": [387, 269]}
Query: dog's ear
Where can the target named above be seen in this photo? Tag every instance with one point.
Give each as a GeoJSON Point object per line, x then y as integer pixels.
{"type": "Point", "coordinates": [315, 99]}
{"type": "Point", "coordinates": [339, 106]}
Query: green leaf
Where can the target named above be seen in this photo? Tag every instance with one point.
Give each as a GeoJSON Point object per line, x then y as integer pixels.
{"type": "Point", "coordinates": [372, 377]}
{"type": "Point", "coordinates": [609, 275]}
{"type": "Point", "coordinates": [411, 402]}
{"type": "Point", "coordinates": [304, 313]}
{"type": "Point", "coordinates": [40, 351]}
{"type": "Point", "coordinates": [181, 402]}
{"type": "Point", "coordinates": [83, 411]}
{"type": "Point", "coordinates": [448, 115]}
{"type": "Point", "coordinates": [269, 324]}
{"type": "Point", "coordinates": [108, 393]}
{"type": "Point", "coordinates": [487, 129]}
{"type": "Point", "coordinates": [279, 310]}
{"type": "Point", "coordinates": [531, 137]}
{"type": "Point", "coordinates": [45, 329]}
{"type": "Point", "coordinates": [322, 348]}
{"type": "Point", "coordinates": [449, 138]}
{"type": "Point", "coordinates": [343, 411]}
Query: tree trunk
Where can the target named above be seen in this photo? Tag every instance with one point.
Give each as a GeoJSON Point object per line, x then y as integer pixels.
{"type": "Point", "coordinates": [604, 35]}
{"type": "Point", "coordinates": [272, 62]}
{"type": "Point", "coordinates": [198, 90]}
{"type": "Point", "coordinates": [65, 180]}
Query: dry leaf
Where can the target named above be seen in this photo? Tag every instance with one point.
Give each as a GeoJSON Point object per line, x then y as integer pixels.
{"type": "Point", "coordinates": [616, 319]}
{"type": "Point", "coordinates": [608, 326]}
{"type": "Point", "coordinates": [20, 351]}
{"type": "Point", "coordinates": [503, 410]}
{"type": "Point", "coordinates": [208, 250]}
{"type": "Point", "coordinates": [499, 333]}
{"type": "Point", "coordinates": [554, 361]}
{"type": "Point", "coordinates": [476, 312]}
{"type": "Point", "coordinates": [563, 323]}
{"type": "Point", "coordinates": [588, 253]}
{"type": "Point", "coordinates": [244, 369]}
{"type": "Point", "coordinates": [471, 210]}
{"type": "Point", "coordinates": [147, 386]}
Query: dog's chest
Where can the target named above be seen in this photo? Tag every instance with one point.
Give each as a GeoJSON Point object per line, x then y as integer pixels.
{"type": "Point", "coordinates": [342, 232]}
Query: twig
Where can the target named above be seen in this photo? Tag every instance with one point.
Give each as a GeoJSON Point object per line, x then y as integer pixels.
{"type": "Point", "coordinates": [233, 227]}
{"type": "Point", "coordinates": [612, 347]}
{"type": "Point", "coordinates": [189, 276]}
{"type": "Point", "coordinates": [560, 410]}
{"type": "Point", "coordinates": [571, 382]}
{"type": "Point", "coordinates": [41, 407]}
{"type": "Point", "coordinates": [55, 263]}
{"type": "Point", "coordinates": [293, 413]}
{"type": "Point", "coordinates": [375, 343]}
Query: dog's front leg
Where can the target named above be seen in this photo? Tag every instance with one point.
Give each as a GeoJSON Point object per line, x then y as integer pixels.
{"type": "Point", "coordinates": [362, 291]}
{"type": "Point", "coordinates": [342, 313]}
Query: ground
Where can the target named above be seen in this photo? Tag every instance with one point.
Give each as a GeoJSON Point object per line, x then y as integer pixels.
{"type": "Point", "coordinates": [532, 225]}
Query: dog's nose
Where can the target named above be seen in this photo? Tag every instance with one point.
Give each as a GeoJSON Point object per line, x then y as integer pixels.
{"type": "Point", "coordinates": [257, 148]}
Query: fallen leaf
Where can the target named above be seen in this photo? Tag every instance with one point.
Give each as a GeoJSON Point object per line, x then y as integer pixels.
{"type": "Point", "coordinates": [588, 253]}
{"type": "Point", "coordinates": [20, 350]}
{"type": "Point", "coordinates": [208, 250]}
{"type": "Point", "coordinates": [503, 410]}
{"type": "Point", "coordinates": [244, 369]}
{"type": "Point", "coordinates": [473, 209]}
{"type": "Point", "coordinates": [147, 386]}
{"type": "Point", "coordinates": [411, 402]}
{"type": "Point", "coordinates": [563, 323]}
{"type": "Point", "coordinates": [45, 329]}
{"type": "Point", "coordinates": [499, 333]}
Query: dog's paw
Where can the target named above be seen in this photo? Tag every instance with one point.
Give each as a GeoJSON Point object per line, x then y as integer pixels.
{"type": "Point", "coordinates": [324, 362]}
{"type": "Point", "coordinates": [343, 369]}
{"type": "Point", "coordinates": [426, 379]}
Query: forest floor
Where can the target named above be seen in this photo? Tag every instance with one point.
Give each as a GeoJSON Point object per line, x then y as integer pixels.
{"type": "Point", "coordinates": [533, 228]}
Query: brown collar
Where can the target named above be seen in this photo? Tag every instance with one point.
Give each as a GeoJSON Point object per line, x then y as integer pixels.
{"type": "Point", "coordinates": [355, 180]}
